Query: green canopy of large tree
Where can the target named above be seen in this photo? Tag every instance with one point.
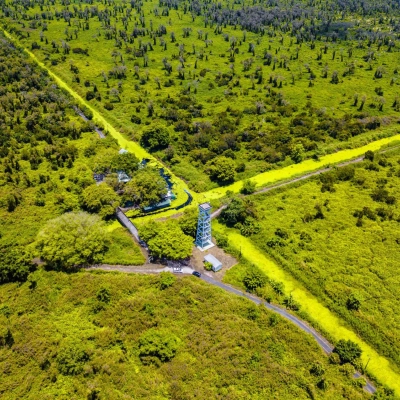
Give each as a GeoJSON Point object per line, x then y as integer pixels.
{"type": "Point", "coordinates": [100, 199]}
{"type": "Point", "coordinates": [221, 169]}
{"type": "Point", "coordinates": [155, 137]}
{"type": "Point", "coordinates": [126, 162]}
{"type": "Point", "coordinates": [166, 239]}
{"type": "Point", "coordinates": [72, 240]}
{"type": "Point", "coordinates": [147, 187]}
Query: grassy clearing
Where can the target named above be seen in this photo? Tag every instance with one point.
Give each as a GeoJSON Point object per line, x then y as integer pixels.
{"type": "Point", "coordinates": [378, 366]}
{"type": "Point", "coordinates": [123, 250]}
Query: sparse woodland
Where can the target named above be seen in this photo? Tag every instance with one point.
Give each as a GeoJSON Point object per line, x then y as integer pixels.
{"type": "Point", "coordinates": [236, 87]}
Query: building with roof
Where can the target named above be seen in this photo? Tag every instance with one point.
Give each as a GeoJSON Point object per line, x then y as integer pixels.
{"type": "Point", "coordinates": [123, 177]}
{"type": "Point", "coordinates": [216, 264]}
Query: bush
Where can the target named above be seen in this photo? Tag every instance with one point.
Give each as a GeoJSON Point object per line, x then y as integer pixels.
{"type": "Point", "coordinates": [369, 155]}
{"type": "Point", "coordinates": [136, 120]}
{"type": "Point", "coordinates": [354, 302]}
{"type": "Point", "coordinates": [157, 345]}
{"type": "Point", "coordinates": [347, 351]}
{"type": "Point", "coordinates": [208, 266]}
{"type": "Point", "coordinates": [248, 187]}
{"type": "Point", "coordinates": [108, 106]}
{"type": "Point", "coordinates": [166, 280]}
{"type": "Point", "coordinates": [221, 240]}
{"type": "Point", "coordinates": [71, 358]}
{"type": "Point", "coordinates": [254, 279]}
{"type": "Point", "coordinates": [90, 95]}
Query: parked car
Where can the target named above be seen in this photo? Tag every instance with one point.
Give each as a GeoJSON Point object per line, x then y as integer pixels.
{"type": "Point", "coordinates": [195, 273]}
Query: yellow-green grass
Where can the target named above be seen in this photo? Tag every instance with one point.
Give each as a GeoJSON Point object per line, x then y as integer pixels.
{"type": "Point", "coordinates": [294, 170]}
{"type": "Point", "coordinates": [378, 366]}
{"type": "Point", "coordinates": [123, 250]}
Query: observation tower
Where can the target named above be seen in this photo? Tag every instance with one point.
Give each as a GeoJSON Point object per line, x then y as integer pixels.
{"type": "Point", "coordinates": [203, 236]}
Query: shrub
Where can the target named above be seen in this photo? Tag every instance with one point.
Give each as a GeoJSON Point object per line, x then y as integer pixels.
{"type": "Point", "coordinates": [248, 187]}
{"type": "Point", "coordinates": [166, 280]}
{"type": "Point", "coordinates": [108, 106]}
{"type": "Point", "coordinates": [354, 302]}
{"type": "Point", "coordinates": [221, 240]}
{"type": "Point", "coordinates": [90, 95]}
{"type": "Point", "coordinates": [136, 120]}
{"type": "Point", "coordinates": [208, 266]}
{"type": "Point", "coordinates": [369, 155]}
{"type": "Point", "coordinates": [254, 278]}
{"type": "Point", "coordinates": [71, 358]}
{"type": "Point", "coordinates": [347, 351]}
{"type": "Point", "coordinates": [317, 369]}
{"type": "Point", "coordinates": [157, 345]}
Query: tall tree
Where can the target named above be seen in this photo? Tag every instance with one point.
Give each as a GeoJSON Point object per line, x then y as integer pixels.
{"type": "Point", "coordinates": [166, 239]}
{"type": "Point", "coordinates": [100, 199]}
{"type": "Point", "coordinates": [72, 240]}
{"type": "Point", "coordinates": [147, 187]}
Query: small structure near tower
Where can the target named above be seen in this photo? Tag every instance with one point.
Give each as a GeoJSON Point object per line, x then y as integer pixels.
{"type": "Point", "coordinates": [203, 236]}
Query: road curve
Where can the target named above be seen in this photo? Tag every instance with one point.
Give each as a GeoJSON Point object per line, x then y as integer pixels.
{"type": "Point", "coordinates": [304, 326]}
{"type": "Point", "coordinates": [322, 342]}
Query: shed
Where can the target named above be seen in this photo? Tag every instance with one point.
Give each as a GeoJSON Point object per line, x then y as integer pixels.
{"type": "Point", "coordinates": [216, 264]}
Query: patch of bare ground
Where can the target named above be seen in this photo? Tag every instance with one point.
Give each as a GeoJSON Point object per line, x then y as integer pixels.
{"type": "Point", "coordinates": [197, 261]}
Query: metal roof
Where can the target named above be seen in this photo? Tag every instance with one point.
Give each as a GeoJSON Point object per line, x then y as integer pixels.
{"type": "Point", "coordinates": [212, 260]}
{"type": "Point", "coordinates": [205, 206]}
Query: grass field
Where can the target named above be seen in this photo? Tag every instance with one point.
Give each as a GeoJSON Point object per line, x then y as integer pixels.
{"type": "Point", "coordinates": [378, 366]}
{"type": "Point", "coordinates": [80, 335]}
{"type": "Point", "coordinates": [327, 260]}
{"type": "Point", "coordinates": [123, 250]}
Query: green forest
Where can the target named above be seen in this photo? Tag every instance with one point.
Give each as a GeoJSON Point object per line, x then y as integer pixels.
{"type": "Point", "coordinates": [48, 157]}
{"type": "Point", "coordinates": [118, 118]}
{"type": "Point", "coordinates": [221, 91]}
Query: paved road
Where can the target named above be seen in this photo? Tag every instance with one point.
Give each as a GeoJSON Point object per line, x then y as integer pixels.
{"type": "Point", "coordinates": [322, 342]}
{"type": "Point", "coordinates": [127, 223]}
{"type": "Point", "coordinates": [84, 117]}
{"type": "Point", "coordinates": [217, 212]}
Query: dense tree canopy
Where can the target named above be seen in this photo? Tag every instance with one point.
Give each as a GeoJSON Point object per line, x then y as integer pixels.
{"type": "Point", "coordinates": [166, 239]}
{"type": "Point", "coordinates": [157, 345]}
{"type": "Point", "coordinates": [146, 187]}
{"type": "Point", "coordinates": [222, 170]}
{"type": "Point", "coordinates": [155, 137]}
{"type": "Point", "coordinates": [72, 240]}
{"type": "Point", "coordinates": [100, 199]}
{"type": "Point", "coordinates": [126, 162]}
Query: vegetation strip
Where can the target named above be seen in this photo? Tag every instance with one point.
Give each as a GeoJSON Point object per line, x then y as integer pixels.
{"type": "Point", "coordinates": [378, 366]}
{"type": "Point", "coordinates": [295, 170]}
{"type": "Point", "coordinates": [260, 180]}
